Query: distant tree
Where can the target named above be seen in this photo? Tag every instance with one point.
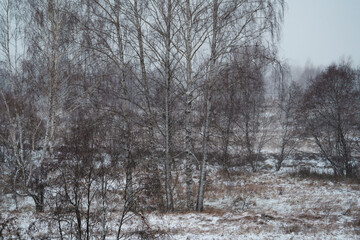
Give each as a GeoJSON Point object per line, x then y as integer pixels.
{"type": "Point", "coordinates": [225, 36]}
{"type": "Point", "coordinates": [239, 109]}
{"type": "Point", "coordinates": [225, 109]}
{"type": "Point", "coordinates": [330, 108]}
{"type": "Point", "coordinates": [252, 122]}
{"type": "Point", "coordinates": [288, 104]}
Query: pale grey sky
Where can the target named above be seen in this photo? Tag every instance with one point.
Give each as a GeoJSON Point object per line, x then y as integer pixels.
{"type": "Point", "coordinates": [322, 31]}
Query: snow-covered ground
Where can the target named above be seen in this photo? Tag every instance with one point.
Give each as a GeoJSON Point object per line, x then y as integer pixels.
{"type": "Point", "coordinates": [264, 205]}
{"type": "Point", "coordinates": [270, 206]}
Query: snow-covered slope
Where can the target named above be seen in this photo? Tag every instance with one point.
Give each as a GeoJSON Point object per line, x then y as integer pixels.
{"type": "Point", "coordinates": [265, 205]}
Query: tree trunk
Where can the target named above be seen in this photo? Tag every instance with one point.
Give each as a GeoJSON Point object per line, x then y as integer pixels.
{"type": "Point", "coordinates": [39, 199]}
{"type": "Point", "coordinates": [201, 189]}
{"type": "Point", "coordinates": [104, 209]}
{"type": "Point", "coordinates": [188, 161]}
{"type": "Point", "coordinates": [129, 162]}
{"type": "Point", "coordinates": [188, 108]}
{"type": "Point", "coordinates": [129, 178]}
{"type": "Point", "coordinates": [79, 223]}
{"type": "Point", "coordinates": [150, 118]}
{"type": "Point", "coordinates": [169, 197]}
{"type": "Point", "coordinates": [208, 85]}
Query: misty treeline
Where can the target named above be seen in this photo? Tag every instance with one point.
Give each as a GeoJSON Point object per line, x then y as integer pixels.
{"type": "Point", "coordinates": [114, 107]}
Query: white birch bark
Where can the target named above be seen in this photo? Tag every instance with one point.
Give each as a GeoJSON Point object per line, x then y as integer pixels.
{"type": "Point", "coordinates": [151, 121]}
{"type": "Point", "coordinates": [129, 162]}
{"type": "Point", "coordinates": [188, 107]}
{"type": "Point", "coordinates": [168, 192]}
{"type": "Point", "coordinates": [162, 23]}
{"type": "Point", "coordinates": [208, 84]}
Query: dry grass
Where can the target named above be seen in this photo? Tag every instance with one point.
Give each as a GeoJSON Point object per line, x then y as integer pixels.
{"type": "Point", "coordinates": [248, 198]}
{"type": "Point", "coordinates": [262, 204]}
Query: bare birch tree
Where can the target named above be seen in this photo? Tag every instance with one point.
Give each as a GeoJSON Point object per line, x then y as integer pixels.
{"type": "Point", "coordinates": [110, 31]}
{"type": "Point", "coordinates": [52, 38]}
{"type": "Point", "coordinates": [10, 33]}
{"type": "Point", "coordinates": [288, 105]}
{"type": "Point", "coordinates": [193, 32]}
{"type": "Point", "coordinates": [47, 39]}
{"type": "Point", "coordinates": [161, 21]}
{"type": "Point", "coordinates": [235, 24]}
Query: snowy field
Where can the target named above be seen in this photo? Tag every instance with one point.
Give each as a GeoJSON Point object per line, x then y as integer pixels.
{"type": "Point", "coordinates": [264, 205]}
{"type": "Point", "coordinates": [271, 206]}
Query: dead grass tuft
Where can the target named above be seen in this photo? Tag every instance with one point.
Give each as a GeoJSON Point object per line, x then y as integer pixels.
{"type": "Point", "coordinates": [214, 211]}
{"type": "Point", "coordinates": [306, 173]}
{"type": "Point", "coordinates": [293, 228]}
{"type": "Point", "coordinates": [309, 216]}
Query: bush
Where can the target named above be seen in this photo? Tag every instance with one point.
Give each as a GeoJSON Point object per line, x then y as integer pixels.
{"type": "Point", "coordinates": [305, 172]}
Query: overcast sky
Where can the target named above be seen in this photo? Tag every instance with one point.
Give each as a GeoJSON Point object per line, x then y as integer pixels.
{"type": "Point", "coordinates": [322, 31]}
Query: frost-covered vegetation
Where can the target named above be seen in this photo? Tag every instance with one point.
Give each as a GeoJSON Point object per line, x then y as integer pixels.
{"type": "Point", "coordinates": [169, 119]}
{"type": "Point", "coordinates": [296, 203]}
